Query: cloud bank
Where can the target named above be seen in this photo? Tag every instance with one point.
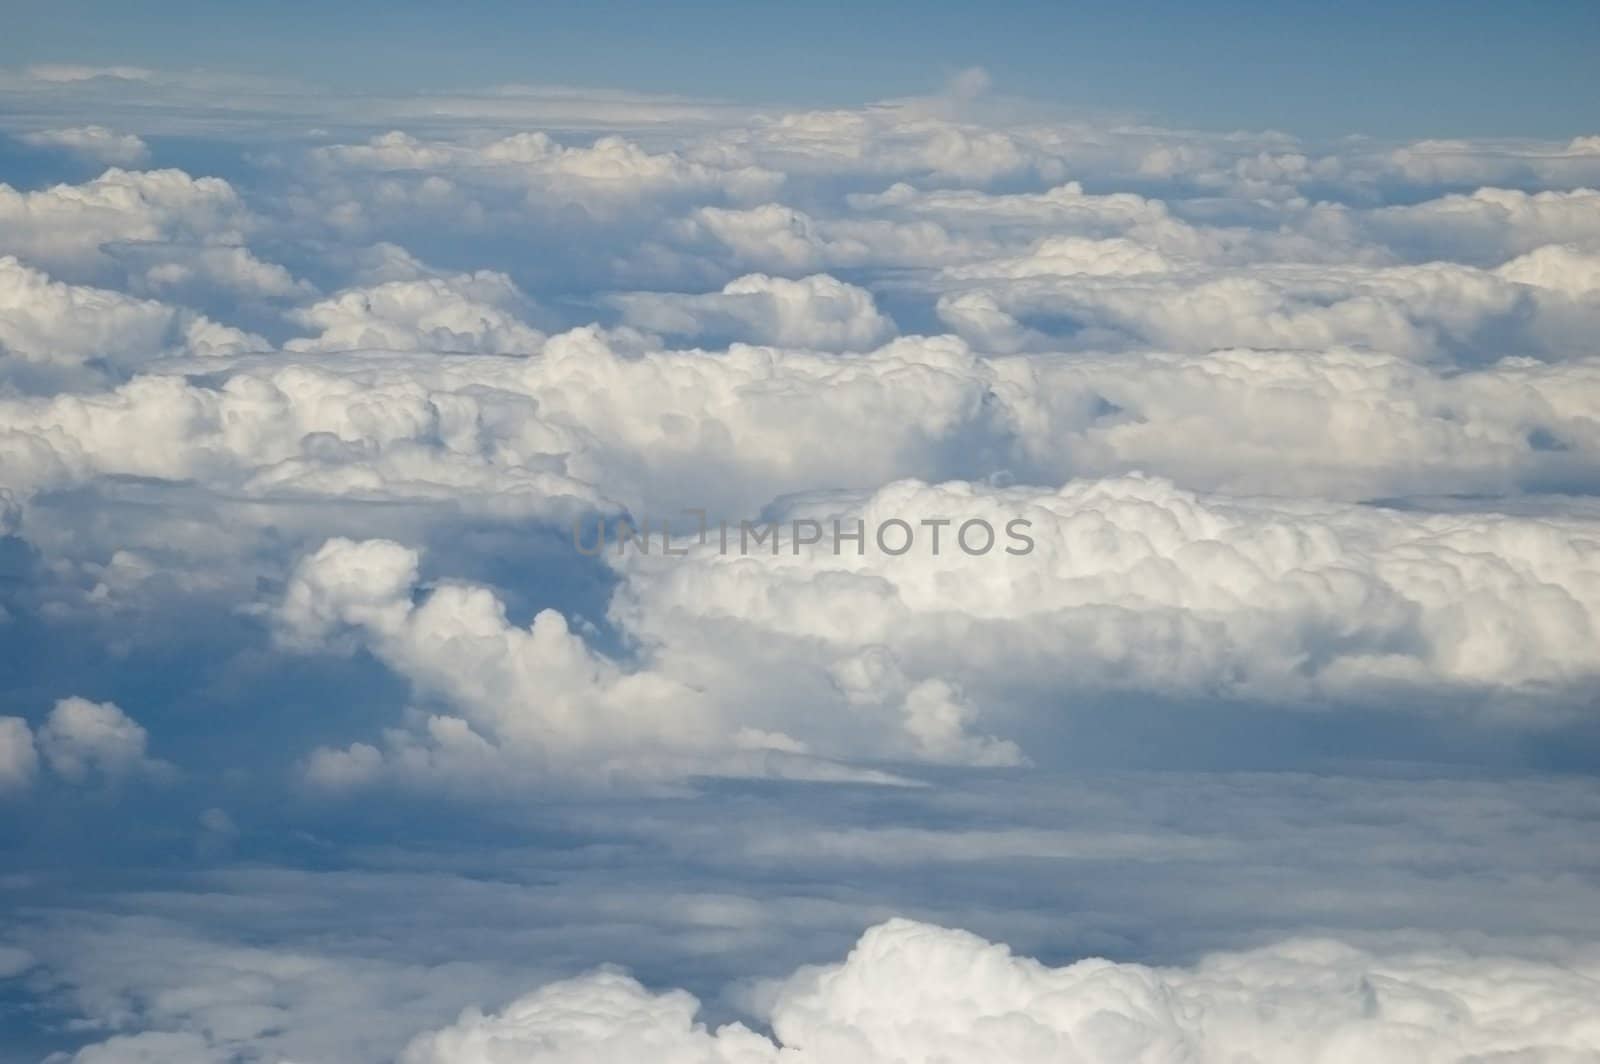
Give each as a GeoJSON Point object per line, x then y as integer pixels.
{"type": "Point", "coordinates": [910, 992]}
{"type": "Point", "coordinates": [1193, 449]}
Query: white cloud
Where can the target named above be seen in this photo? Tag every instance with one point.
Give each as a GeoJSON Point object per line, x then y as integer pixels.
{"type": "Point", "coordinates": [1465, 162]}
{"type": "Point", "coordinates": [537, 703]}
{"type": "Point", "coordinates": [783, 239]}
{"type": "Point", "coordinates": [298, 430]}
{"type": "Point", "coordinates": [657, 428]}
{"type": "Point", "coordinates": [813, 312]}
{"type": "Point", "coordinates": [911, 993]}
{"type": "Point", "coordinates": [19, 760]}
{"type": "Point", "coordinates": [93, 142]}
{"type": "Point", "coordinates": [151, 1047]}
{"type": "Point", "coordinates": [1494, 223]}
{"type": "Point", "coordinates": [231, 269]}
{"type": "Point", "coordinates": [1022, 219]}
{"type": "Point", "coordinates": [1338, 423]}
{"type": "Point", "coordinates": [478, 312]}
{"type": "Point", "coordinates": [1119, 294]}
{"type": "Point", "coordinates": [81, 739]}
{"type": "Point", "coordinates": [63, 325]}
{"type": "Point", "coordinates": [1561, 267]}
{"type": "Point", "coordinates": [1074, 256]}
{"type": "Point", "coordinates": [602, 419]}
{"type": "Point", "coordinates": [1165, 588]}
{"type": "Point", "coordinates": [70, 72]}
{"type": "Point", "coordinates": [64, 227]}
{"type": "Point", "coordinates": [909, 137]}
{"type": "Point", "coordinates": [613, 174]}
{"type": "Point", "coordinates": [1126, 584]}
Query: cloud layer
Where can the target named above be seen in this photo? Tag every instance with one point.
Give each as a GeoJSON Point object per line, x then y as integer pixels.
{"type": "Point", "coordinates": [917, 994]}
{"type": "Point", "coordinates": [978, 456]}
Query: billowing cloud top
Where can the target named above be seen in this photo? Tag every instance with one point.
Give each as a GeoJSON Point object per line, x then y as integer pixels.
{"type": "Point", "coordinates": [913, 994]}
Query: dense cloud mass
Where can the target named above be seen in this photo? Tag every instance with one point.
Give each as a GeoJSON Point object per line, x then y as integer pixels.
{"type": "Point", "coordinates": [685, 534]}
{"type": "Point", "coordinates": [879, 627]}
{"type": "Point", "coordinates": [51, 324]}
{"type": "Point", "coordinates": [78, 229]}
{"type": "Point", "coordinates": [914, 994]}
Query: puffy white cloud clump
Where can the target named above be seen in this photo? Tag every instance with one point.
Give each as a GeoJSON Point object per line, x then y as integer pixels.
{"type": "Point", "coordinates": [1024, 230]}
{"type": "Point", "coordinates": [81, 742]}
{"type": "Point", "coordinates": [19, 759]}
{"type": "Point", "coordinates": [46, 322]}
{"type": "Point", "coordinates": [1339, 423]}
{"type": "Point", "coordinates": [1116, 291]}
{"type": "Point", "coordinates": [81, 738]}
{"type": "Point", "coordinates": [1495, 223]}
{"type": "Point", "coordinates": [813, 312]}
{"type": "Point", "coordinates": [471, 178]}
{"type": "Point", "coordinates": [477, 312]}
{"type": "Point", "coordinates": [65, 227]}
{"type": "Point", "coordinates": [960, 604]}
{"type": "Point", "coordinates": [908, 138]}
{"type": "Point", "coordinates": [911, 993]}
{"type": "Point", "coordinates": [365, 444]}
{"type": "Point", "coordinates": [600, 416]}
{"type": "Point", "coordinates": [93, 142]}
{"type": "Point", "coordinates": [298, 430]}
{"type": "Point", "coordinates": [534, 702]}
{"type": "Point", "coordinates": [786, 240]}
{"type": "Point", "coordinates": [203, 269]}
{"type": "Point", "coordinates": [1134, 582]}
{"type": "Point", "coordinates": [157, 233]}
{"type": "Point", "coordinates": [656, 428]}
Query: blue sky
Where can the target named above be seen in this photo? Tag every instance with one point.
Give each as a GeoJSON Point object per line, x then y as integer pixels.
{"type": "Point", "coordinates": [1471, 68]}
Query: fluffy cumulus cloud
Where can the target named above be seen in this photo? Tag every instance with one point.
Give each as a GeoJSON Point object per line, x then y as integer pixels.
{"type": "Point", "coordinates": [464, 313]}
{"type": "Point", "coordinates": [1496, 222]}
{"type": "Point", "coordinates": [203, 269]}
{"type": "Point", "coordinates": [93, 142]}
{"type": "Point", "coordinates": [911, 993]}
{"type": "Point", "coordinates": [1115, 292]}
{"type": "Point", "coordinates": [607, 420]}
{"type": "Point", "coordinates": [786, 240]}
{"type": "Point", "coordinates": [610, 164]}
{"type": "Point", "coordinates": [66, 227]}
{"type": "Point", "coordinates": [51, 323]}
{"type": "Point", "coordinates": [19, 760]}
{"type": "Point", "coordinates": [910, 138]}
{"type": "Point", "coordinates": [1338, 423]}
{"type": "Point", "coordinates": [594, 416]}
{"type": "Point", "coordinates": [481, 181]}
{"type": "Point", "coordinates": [1125, 583]}
{"type": "Point", "coordinates": [525, 703]}
{"type": "Point", "coordinates": [80, 742]}
{"type": "Point", "coordinates": [810, 643]}
{"type": "Point", "coordinates": [817, 312]}
{"type": "Point", "coordinates": [81, 738]}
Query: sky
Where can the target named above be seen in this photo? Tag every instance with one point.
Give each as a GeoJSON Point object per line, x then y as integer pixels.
{"type": "Point", "coordinates": [778, 535]}
{"type": "Point", "coordinates": [1471, 68]}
